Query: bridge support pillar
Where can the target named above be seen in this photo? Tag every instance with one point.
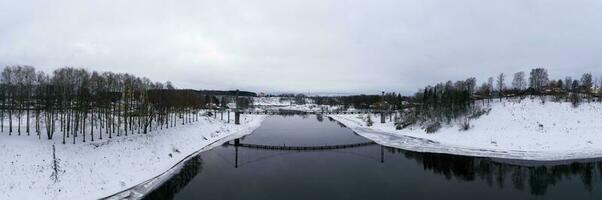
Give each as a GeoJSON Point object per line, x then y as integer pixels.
{"type": "Point", "coordinates": [237, 118]}
{"type": "Point", "coordinates": [236, 155]}
{"type": "Point", "coordinates": [382, 154]}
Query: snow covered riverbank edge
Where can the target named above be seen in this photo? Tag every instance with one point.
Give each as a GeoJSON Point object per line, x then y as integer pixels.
{"type": "Point", "coordinates": [103, 168]}
{"type": "Point", "coordinates": [511, 131]}
{"type": "Point", "coordinates": [146, 187]}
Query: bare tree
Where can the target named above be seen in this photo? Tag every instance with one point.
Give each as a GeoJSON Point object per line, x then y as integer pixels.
{"type": "Point", "coordinates": [538, 79]}
{"type": "Point", "coordinates": [490, 86]}
{"type": "Point", "coordinates": [568, 81]}
{"type": "Point", "coordinates": [81, 103]}
{"type": "Point", "coordinates": [586, 85]}
{"type": "Point", "coordinates": [501, 85]}
{"type": "Point", "coordinates": [586, 82]}
{"type": "Point", "coordinates": [471, 84]}
{"type": "Point", "coordinates": [518, 82]}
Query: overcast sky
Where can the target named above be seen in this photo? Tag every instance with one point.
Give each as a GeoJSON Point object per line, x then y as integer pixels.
{"type": "Point", "coordinates": [361, 46]}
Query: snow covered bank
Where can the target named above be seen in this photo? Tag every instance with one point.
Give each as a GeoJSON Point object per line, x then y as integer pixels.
{"type": "Point", "coordinates": [526, 130]}
{"type": "Point", "coordinates": [102, 168]}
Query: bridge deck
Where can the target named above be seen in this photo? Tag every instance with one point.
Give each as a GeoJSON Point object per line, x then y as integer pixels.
{"type": "Point", "coordinates": [303, 148]}
{"type": "Point", "coordinates": [308, 112]}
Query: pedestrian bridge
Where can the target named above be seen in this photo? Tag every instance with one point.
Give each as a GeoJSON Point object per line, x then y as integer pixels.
{"type": "Point", "coordinates": [300, 148]}
{"type": "Point", "coordinates": [287, 149]}
{"type": "Point", "coordinates": [295, 112]}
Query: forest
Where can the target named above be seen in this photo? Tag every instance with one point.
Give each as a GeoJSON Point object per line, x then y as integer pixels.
{"type": "Point", "coordinates": [80, 105]}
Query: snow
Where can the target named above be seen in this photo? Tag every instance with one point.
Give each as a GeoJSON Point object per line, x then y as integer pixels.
{"type": "Point", "coordinates": [310, 108]}
{"type": "Point", "coordinates": [274, 103]}
{"type": "Point", "coordinates": [102, 168]}
{"type": "Point", "coordinates": [270, 101]}
{"type": "Point", "coordinates": [510, 131]}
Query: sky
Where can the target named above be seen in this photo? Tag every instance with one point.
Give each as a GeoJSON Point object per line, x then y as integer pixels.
{"type": "Point", "coordinates": [315, 46]}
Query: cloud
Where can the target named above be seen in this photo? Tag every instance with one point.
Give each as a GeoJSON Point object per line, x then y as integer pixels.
{"type": "Point", "coordinates": [311, 45]}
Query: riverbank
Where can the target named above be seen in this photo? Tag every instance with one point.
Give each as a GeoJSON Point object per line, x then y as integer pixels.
{"type": "Point", "coordinates": [98, 169]}
{"type": "Point", "coordinates": [525, 130]}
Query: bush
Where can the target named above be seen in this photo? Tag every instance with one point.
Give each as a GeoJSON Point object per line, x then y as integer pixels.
{"type": "Point", "coordinates": [575, 99]}
{"type": "Point", "coordinates": [433, 127]}
{"type": "Point", "coordinates": [478, 113]}
{"type": "Point", "coordinates": [404, 123]}
{"type": "Point", "coordinates": [398, 126]}
{"type": "Point", "coordinates": [369, 121]}
{"type": "Point", "coordinates": [465, 125]}
{"type": "Point", "coordinates": [558, 98]}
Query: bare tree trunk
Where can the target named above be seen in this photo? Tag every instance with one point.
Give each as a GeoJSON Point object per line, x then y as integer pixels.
{"type": "Point", "coordinates": [92, 125]}
{"type": "Point", "coordinates": [10, 119]}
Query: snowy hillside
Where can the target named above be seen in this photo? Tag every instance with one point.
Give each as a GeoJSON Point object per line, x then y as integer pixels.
{"type": "Point", "coordinates": [526, 130]}
{"type": "Point", "coordinates": [98, 169]}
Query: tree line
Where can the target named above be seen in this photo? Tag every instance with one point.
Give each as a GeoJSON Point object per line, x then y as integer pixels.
{"type": "Point", "coordinates": [89, 105]}
{"type": "Point", "coordinates": [444, 101]}
{"type": "Point", "coordinates": [391, 100]}
{"type": "Point", "coordinates": [538, 83]}
{"type": "Point", "coordinates": [449, 100]}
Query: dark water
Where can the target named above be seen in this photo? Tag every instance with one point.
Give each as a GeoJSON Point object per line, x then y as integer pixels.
{"type": "Point", "coordinates": [364, 172]}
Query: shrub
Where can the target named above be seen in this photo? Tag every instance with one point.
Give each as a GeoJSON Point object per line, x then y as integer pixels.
{"type": "Point", "coordinates": [575, 99]}
{"type": "Point", "coordinates": [558, 98]}
{"type": "Point", "coordinates": [408, 121]}
{"type": "Point", "coordinates": [465, 125]}
{"type": "Point", "coordinates": [433, 127]}
{"type": "Point", "coordinates": [369, 121]}
{"type": "Point", "coordinates": [478, 113]}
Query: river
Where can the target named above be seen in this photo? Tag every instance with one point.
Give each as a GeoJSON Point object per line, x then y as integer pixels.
{"type": "Point", "coordinates": [336, 163]}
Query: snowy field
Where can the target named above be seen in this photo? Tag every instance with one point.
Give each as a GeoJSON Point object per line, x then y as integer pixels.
{"type": "Point", "coordinates": [99, 169]}
{"type": "Point", "coordinates": [526, 130]}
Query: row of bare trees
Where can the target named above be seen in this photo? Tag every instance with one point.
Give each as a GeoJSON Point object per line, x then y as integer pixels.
{"type": "Point", "coordinates": [539, 83]}
{"type": "Point", "coordinates": [77, 103]}
{"type": "Point", "coordinates": [448, 101]}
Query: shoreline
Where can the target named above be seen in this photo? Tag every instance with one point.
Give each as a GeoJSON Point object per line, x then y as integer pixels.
{"type": "Point", "coordinates": [512, 138]}
{"type": "Point", "coordinates": [142, 189]}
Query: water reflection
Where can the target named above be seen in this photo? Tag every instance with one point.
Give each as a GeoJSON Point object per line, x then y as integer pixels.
{"type": "Point", "coordinates": [283, 149]}
{"type": "Point", "coordinates": [283, 160]}
{"type": "Point", "coordinates": [537, 178]}
{"type": "Point", "coordinates": [170, 188]}
{"type": "Point", "coordinates": [320, 117]}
